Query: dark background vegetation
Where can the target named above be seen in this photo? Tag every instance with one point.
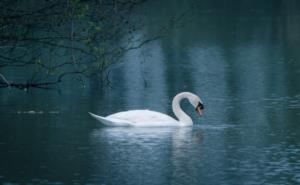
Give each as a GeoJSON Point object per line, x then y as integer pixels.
{"type": "Point", "coordinates": [50, 40]}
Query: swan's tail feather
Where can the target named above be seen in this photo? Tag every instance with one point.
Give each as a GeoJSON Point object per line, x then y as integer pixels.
{"type": "Point", "coordinates": [101, 119]}
{"type": "Point", "coordinates": [109, 121]}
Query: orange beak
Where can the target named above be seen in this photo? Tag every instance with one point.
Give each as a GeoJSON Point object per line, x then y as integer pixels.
{"type": "Point", "coordinates": [199, 110]}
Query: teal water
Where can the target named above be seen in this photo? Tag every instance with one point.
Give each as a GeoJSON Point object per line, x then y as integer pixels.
{"type": "Point", "coordinates": [241, 58]}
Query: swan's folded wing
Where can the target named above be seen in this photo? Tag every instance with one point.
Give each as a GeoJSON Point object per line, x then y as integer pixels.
{"type": "Point", "coordinates": [110, 121]}
{"type": "Point", "coordinates": [143, 118]}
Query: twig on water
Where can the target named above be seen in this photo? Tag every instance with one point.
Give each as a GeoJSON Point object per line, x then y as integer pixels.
{"type": "Point", "coordinates": [5, 80]}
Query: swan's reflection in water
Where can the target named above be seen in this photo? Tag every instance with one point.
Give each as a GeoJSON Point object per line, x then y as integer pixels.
{"type": "Point", "coordinates": [186, 147]}
{"type": "Point", "coordinates": [143, 155]}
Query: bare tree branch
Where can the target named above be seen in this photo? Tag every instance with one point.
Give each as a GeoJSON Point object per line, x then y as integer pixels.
{"type": "Point", "coordinates": [55, 39]}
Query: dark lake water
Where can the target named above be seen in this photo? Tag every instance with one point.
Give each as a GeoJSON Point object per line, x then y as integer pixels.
{"type": "Point", "coordinates": [242, 58]}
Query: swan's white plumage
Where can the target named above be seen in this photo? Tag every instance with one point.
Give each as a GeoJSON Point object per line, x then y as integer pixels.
{"type": "Point", "coordinates": [137, 118]}
{"type": "Point", "coordinates": [147, 118]}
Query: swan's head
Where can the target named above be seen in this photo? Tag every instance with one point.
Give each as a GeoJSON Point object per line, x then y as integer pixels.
{"type": "Point", "coordinates": [197, 103]}
{"type": "Point", "coordinates": [199, 108]}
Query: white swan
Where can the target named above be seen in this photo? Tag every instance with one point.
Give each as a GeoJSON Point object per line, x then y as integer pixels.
{"type": "Point", "coordinates": [147, 118]}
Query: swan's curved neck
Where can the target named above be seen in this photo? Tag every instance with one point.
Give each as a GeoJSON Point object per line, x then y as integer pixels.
{"type": "Point", "coordinates": [183, 118]}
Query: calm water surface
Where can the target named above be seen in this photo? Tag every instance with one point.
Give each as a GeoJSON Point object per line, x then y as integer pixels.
{"type": "Point", "coordinates": [242, 59]}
